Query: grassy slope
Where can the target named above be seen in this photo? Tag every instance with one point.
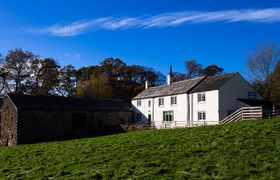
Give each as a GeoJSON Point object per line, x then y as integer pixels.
{"type": "Point", "coordinates": [243, 149]}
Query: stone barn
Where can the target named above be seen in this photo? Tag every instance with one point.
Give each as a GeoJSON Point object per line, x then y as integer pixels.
{"type": "Point", "coordinates": [30, 119]}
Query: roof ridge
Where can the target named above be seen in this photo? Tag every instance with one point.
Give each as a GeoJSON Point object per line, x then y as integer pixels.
{"type": "Point", "coordinates": [177, 82]}
{"type": "Point", "coordinates": [195, 79]}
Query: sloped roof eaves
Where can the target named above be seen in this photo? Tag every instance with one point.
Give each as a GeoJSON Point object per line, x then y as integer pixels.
{"type": "Point", "coordinates": [181, 87]}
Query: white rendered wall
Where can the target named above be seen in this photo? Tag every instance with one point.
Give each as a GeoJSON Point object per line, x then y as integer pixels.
{"type": "Point", "coordinates": [156, 111]}
{"type": "Point", "coordinates": [236, 87]}
{"type": "Point", "coordinates": [179, 109]}
{"type": "Point", "coordinates": [210, 107]}
{"type": "Point", "coordinates": [144, 109]}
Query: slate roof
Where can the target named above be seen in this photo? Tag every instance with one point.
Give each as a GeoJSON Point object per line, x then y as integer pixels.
{"type": "Point", "coordinates": [213, 82]}
{"type": "Point", "coordinates": [188, 86]}
{"type": "Point", "coordinates": [64, 103]}
{"type": "Point", "coordinates": [180, 87]}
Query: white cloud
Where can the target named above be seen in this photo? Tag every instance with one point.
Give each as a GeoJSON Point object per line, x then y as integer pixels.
{"type": "Point", "coordinates": [163, 20]}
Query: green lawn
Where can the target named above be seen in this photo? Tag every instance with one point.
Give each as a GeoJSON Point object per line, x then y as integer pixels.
{"type": "Point", "coordinates": [240, 150]}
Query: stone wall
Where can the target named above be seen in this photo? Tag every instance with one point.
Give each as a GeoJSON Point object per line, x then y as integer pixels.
{"type": "Point", "coordinates": [136, 127]}
{"type": "Point", "coordinates": [8, 123]}
{"type": "Point", "coordinates": [47, 125]}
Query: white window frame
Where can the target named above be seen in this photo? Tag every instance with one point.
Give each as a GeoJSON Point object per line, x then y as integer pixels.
{"type": "Point", "coordinates": [201, 97]}
{"type": "Point", "coordinates": [149, 103]}
{"type": "Point", "coordinates": [173, 100]}
{"type": "Point", "coordinates": [139, 103]}
{"type": "Point", "coordinates": [167, 116]}
{"type": "Point", "coordinates": [201, 115]}
{"type": "Point", "coordinates": [160, 101]}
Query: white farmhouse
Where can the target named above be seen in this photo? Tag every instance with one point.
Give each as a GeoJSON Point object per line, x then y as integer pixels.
{"type": "Point", "coordinates": [199, 101]}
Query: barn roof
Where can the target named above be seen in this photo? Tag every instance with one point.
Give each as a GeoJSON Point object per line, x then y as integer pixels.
{"type": "Point", "coordinates": [166, 90]}
{"type": "Point", "coordinates": [187, 86]}
{"type": "Point", "coordinates": [213, 82]}
{"type": "Point", "coordinates": [65, 103]}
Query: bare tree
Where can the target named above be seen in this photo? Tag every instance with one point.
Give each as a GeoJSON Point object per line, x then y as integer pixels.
{"type": "Point", "coordinates": [261, 62]}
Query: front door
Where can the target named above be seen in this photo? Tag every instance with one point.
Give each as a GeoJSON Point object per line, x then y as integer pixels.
{"type": "Point", "coordinates": [149, 118]}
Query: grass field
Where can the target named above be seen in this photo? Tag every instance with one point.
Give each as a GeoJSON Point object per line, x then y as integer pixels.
{"type": "Point", "coordinates": [239, 150]}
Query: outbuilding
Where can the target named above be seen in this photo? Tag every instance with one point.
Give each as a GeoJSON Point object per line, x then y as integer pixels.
{"type": "Point", "coordinates": [30, 119]}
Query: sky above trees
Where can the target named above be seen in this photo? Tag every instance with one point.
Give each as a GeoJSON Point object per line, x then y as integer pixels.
{"type": "Point", "coordinates": [156, 34]}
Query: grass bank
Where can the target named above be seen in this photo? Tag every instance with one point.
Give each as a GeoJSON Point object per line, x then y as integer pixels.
{"type": "Point", "coordinates": [239, 150]}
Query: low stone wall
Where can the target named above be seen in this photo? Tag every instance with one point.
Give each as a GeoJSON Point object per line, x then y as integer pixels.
{"type": "Point", "coordinates": [136, 127]}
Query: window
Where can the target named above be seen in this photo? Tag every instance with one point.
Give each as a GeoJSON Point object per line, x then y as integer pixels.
{"type": "Point", "coordinates": [149, 103]}
{"type": "Point", "coordinates": [160, 101]}
{"type": "Point", "coordinates": [201, 97]}
{"type": "Point", "coordinates": [173, 100]}
{"type": "Point", "coordinates": [201, 115]}
{"type": "Point", "coordinates": [168, 116]}
{"type": "Point", "coordinates": [252, 95]}
{"type": "Point", "coordinates": [138, 103]}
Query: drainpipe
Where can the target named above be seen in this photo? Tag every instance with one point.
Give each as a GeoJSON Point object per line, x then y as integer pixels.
{"type": "Point", "coordinates": [191, 108]}
{"type": "Point", "coordinates": [188, 108]}
{"type": "Point", "coordinates": [153, 111]}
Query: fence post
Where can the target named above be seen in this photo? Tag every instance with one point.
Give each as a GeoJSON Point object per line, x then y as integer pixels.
{"type": "Point", "coordinates": [273, 111]}
{"type": "Point", "coordinates": [261, 115]}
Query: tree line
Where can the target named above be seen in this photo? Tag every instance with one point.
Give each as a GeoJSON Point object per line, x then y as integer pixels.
{"type": "Point", "coordinates": [23, 72]}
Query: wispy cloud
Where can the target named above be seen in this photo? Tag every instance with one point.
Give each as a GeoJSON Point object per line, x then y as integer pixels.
{"type": "Point", "coordinates": [163, 20]}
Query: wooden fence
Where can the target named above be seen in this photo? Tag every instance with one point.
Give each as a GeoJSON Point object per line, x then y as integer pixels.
{"type": "Point", "coordinates": [244, 113]}
{"type": "Point", "coordinates": [250, 113]}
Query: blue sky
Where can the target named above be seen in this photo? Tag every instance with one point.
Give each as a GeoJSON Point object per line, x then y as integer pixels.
{"type": "Point", "coordinates": [149, 33]}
